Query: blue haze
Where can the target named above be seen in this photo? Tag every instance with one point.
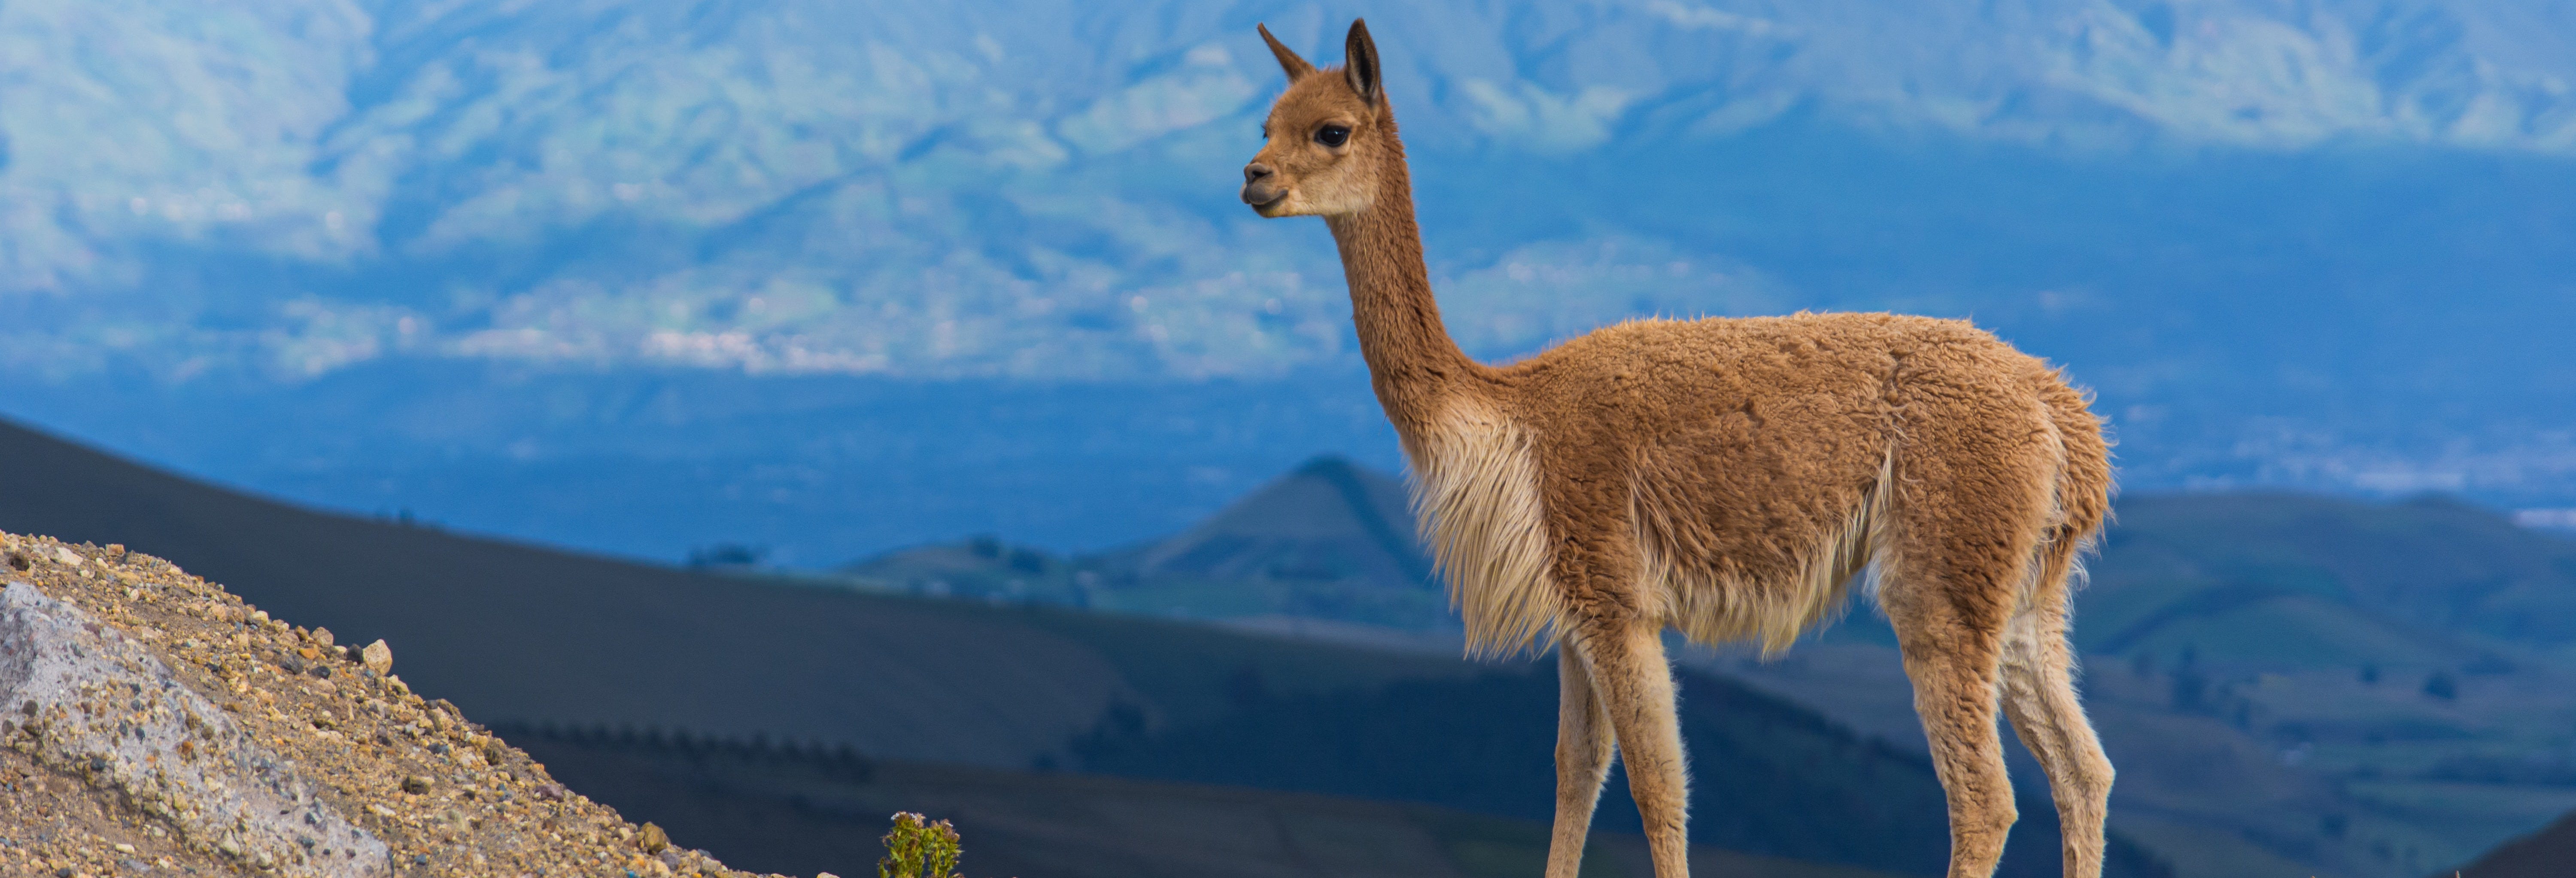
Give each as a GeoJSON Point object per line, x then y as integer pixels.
{"type": "Point", "coordinates": [837, 277]}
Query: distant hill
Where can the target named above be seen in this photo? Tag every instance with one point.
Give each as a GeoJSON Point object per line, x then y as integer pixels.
{"type": "Point", "coordinates": [525, 636]}
{"type": "Point", "coordinates": [2543, 854]}
{"type": "Point", "coordinates": [2419, 584]}
{"type": "Point", "coordinates": [1330, 540]}
{"type": "Point", "coordinates": [1329, 520]}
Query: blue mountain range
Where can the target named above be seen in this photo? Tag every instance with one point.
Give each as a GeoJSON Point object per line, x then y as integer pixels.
{"type": "Point", "coordinates": [627, 275]}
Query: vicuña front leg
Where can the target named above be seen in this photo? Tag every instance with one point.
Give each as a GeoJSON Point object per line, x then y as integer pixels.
{"type": "Point", "coordinates": [1583, 747]}
{"type": "Point", "coordinates": [1635, 684]}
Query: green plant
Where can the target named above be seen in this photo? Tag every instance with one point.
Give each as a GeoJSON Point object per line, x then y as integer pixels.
{"type": "Point", "coordinates": [919, 848]}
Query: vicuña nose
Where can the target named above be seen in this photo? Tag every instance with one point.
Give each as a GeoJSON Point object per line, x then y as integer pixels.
{"type": "Point", "coordinates": [1252, 173]}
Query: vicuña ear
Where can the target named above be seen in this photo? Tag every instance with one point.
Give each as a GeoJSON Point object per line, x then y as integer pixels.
{"type": "Point", "coordinates": [1359, 62]}
{"type": "Point", "coordinates": [1296, 67]}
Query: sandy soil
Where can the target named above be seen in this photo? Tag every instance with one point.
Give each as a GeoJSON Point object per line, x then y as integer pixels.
{"type": "Point", "coordinates": [443, 794]}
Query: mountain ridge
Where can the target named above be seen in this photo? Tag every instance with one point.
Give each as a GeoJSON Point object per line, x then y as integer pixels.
{"type": "Point", "coordinates": [743, 187]}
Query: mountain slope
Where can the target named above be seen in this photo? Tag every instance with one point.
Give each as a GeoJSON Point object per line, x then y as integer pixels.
{"type": "Point", "coordinates": [1329, 519]}
{"type": "Point", "coordinates": [2418, 571]}
{"type": "Point", "coordinates": [2538, 855]}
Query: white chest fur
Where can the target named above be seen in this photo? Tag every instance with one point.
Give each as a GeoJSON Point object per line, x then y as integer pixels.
{"type": "Point", "coordinates": [1476, 494]}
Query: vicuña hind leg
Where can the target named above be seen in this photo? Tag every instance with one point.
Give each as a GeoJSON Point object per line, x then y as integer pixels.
{"type": "Point", "coordinates": [2039, 695]}
{"type": "Point", "coordinates": [1635, 684]}
{"type": "Point", "coordinates": [1583, 748]}
{"type": "Point", "coordinates": [1951, 655]}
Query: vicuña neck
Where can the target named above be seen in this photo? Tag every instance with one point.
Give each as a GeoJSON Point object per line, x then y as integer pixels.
{"type": "Point", "coordinates": [1412, 361]}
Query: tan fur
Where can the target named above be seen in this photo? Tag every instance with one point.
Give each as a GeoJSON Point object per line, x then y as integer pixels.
{"type": "Point", "coordinates": [1718, 607]}
{"type": "Point", "coordinates": [1731, 478]}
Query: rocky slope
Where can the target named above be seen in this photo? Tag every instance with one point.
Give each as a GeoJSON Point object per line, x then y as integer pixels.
{"type": "Point", "coordinates": [155, 723]}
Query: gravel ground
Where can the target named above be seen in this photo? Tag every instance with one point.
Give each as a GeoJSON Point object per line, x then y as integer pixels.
{"type": "Point", "coordinates": [442, 794]}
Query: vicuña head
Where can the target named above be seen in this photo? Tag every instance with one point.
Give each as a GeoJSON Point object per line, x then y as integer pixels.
{"type": "Point", "coordinates": [1330, 137]}
{"type": "Point", "coordinates": [1730, 478]}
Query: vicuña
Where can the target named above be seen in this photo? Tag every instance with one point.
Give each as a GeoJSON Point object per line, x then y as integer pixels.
{"type": "Point", "coordinates": [1727, 477]}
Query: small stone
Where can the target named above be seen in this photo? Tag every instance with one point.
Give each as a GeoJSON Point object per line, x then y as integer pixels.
{"type": "Point", "coordinates": [124, 848]}
{"type": "Point", "coordinates": [65, 555]}
{"type": "Point", "coordinates": [654, 840]}
{"type": "Point", "coordinates": [415, 784]}
{"type": "Point", "coordinates": [259, 616]}
{"type": "Point", "coordinates": [322, 636]}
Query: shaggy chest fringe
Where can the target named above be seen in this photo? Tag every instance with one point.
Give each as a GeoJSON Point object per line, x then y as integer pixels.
{"type": "Point", "coordinates": [1476, 494]}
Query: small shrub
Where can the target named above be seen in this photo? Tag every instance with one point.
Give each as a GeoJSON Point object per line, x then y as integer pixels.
{"type": "Point", "coordinates": [919, 848]}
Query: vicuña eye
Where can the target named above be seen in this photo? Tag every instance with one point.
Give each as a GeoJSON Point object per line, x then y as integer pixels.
{"type": "Point", "coordinates": [1332, 135]}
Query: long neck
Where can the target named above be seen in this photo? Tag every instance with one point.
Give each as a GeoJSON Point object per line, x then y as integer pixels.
{"type": "Point", "coordinates": [1412, 361]}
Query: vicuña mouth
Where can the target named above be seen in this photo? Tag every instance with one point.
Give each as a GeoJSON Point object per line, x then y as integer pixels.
{"type": "Point", "coordinates": [1260, 200]}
